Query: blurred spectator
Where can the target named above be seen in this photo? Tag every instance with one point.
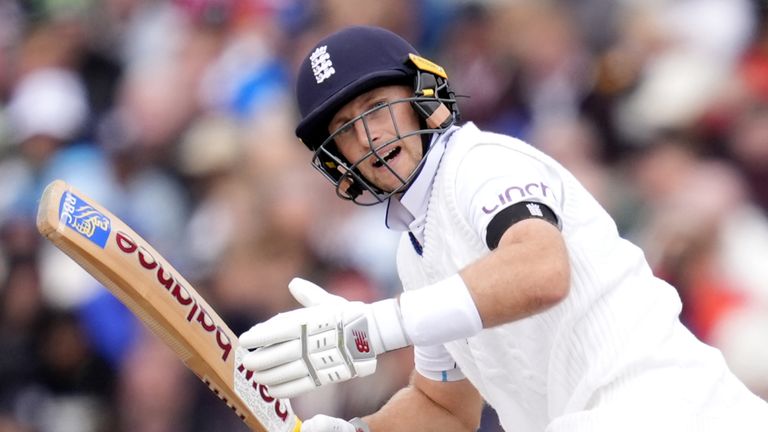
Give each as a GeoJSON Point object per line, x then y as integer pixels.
{"type": "Point", "coordinates": [156, 398]}
{"type": "Point", "coordinates": [706, 237]}
{"type": "Point", "coordinates": [748, 146]}
{"type": "Point", "coordinates": [179, 115]}
{"type": "Point", "coordinates": [71, 387]}
{"type": "Point", "coordinates": [48, 107]}
{"type": "Point", "coordinates": [20, 312]}
{"type": "Point", "coordinates": [471, 50]}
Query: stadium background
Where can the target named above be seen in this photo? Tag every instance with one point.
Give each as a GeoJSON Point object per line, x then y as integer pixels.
{"type": "Point", "coordinates": [178, 116]}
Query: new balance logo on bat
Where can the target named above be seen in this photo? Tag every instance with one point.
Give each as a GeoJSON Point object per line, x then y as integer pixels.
{"type": "Point", "coordinates": [196, 313]}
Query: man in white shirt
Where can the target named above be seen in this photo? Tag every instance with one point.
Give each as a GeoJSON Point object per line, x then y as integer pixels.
{"type": "Point", "coordinates": [518, 289]}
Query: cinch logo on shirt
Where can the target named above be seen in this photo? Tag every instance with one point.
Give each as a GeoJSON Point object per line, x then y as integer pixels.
{"type": "Point", "coordinates": [514, 193]}
{"type": "Point", "coordinates": [322, 66]}
{"type": "Point", "coordinates": [81, 217]}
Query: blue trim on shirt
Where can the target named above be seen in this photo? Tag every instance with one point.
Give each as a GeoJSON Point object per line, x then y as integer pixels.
{"type": "Point", "coordinates": [416, 245]}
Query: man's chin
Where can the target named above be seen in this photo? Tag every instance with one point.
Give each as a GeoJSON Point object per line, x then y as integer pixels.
{"type": "Point", "coordinates": [391, 183]}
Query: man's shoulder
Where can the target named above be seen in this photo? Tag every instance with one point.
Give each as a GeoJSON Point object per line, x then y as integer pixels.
{"type": "Point", "coordinates": [469, 136]}
{"type": "Point", "coordinates": [470, 143]}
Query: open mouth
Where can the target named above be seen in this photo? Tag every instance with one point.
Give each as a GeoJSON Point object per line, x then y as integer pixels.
{"type": "Point", "coordinates": [378, 163]}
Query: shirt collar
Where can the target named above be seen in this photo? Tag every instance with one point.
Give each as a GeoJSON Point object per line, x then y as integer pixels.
{"type": "Point", "coordinates": [411, 207]}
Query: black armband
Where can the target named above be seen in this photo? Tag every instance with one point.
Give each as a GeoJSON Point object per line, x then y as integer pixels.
{"type": "Point", "coordinates": [514, 214]}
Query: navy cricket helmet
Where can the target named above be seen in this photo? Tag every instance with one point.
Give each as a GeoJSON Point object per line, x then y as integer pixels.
{"type": "Point", "coordinates": [353, 61]}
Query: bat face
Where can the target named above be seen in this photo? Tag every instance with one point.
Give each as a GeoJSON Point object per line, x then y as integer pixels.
{"type": "Point", "coordinates": [158, 295]}
{"type": "Point", "coordinates": [196, 314]}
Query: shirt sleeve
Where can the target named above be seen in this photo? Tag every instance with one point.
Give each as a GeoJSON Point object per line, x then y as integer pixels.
{"type": "Point", "coordinates": [435, 362]}
{"type": "Point", "coordinates": [493, 177]}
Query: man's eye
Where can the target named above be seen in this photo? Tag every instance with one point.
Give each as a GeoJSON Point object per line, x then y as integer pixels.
{"type": "Point", "coordinates": [344, 129]}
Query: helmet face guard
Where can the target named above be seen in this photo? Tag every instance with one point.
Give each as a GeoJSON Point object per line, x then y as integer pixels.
{"type": "Point", "coordinates": [347, 64]}
{"type": "Point", "coordinates": [350, 184]}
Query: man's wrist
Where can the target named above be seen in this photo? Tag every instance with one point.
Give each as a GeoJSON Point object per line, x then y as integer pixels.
{"type": "Point", "coordinates": [440, 313]}
{"type": "Point", "coordinates": [389, 328]}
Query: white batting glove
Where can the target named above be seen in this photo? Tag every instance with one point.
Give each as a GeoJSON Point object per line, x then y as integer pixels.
{"type": "Point", "coordinates": [329, 340]}
{"type": "Point", "coordinates": [323, 423]}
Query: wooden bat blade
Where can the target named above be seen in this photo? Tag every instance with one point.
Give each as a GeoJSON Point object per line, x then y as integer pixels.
{"type": "Point", "coordinates": [158, 295]}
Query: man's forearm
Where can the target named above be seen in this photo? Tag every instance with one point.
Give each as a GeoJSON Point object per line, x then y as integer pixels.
{"type": "Point", "coordinates": [455, 408]}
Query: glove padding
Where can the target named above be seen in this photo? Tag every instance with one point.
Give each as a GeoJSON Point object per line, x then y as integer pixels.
{"type": "Point", "coordinates": [329, 340]}
{"type": "Point", "coordinates": [324, 423]}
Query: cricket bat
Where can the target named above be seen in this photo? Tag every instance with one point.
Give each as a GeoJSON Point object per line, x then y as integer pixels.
{"type": "Point", "coordinates": [157, 294]}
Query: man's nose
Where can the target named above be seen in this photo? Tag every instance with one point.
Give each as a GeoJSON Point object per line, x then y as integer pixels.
{"type": "Point", "coordinates": [364, 137]}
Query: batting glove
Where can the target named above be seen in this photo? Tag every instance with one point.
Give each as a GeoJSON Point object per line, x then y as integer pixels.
{"type": "Point", "coordinates": [323, 423]}
{"type": "Point", "coordinates": [329, 340]}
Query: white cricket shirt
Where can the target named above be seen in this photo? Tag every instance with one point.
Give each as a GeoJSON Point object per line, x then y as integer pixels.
{"type": "Point", "coordinates": [612, 355]}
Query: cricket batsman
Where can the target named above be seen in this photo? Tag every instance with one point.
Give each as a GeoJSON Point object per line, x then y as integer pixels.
{"type": "Point", "coordinates": [518, 290]}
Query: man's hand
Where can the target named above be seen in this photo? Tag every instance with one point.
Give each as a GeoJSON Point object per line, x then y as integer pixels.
{"type": "Point", "coordinates": [329, 340]}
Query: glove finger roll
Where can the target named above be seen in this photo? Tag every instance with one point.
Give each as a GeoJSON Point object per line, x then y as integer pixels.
{"type": "Point", "coordinates": [281, 328]}
{"type": "Point", "coordinates": [323, 341]}
{"type": "Point", "coordinates": [283, 373]}
{"type": "Point", "coordinates": [292, 388]}
{"type": "Point", "coordinates": [334, 374]}
{"type": "Point", "coordinates": [326, 359]}
{"type": "Point", "coordinates": [273, 355]}
{"type": "Point", "coordinates": [310, 294]}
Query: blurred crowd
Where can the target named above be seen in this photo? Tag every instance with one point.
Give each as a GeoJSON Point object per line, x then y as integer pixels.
{"type": "Point", "coordinates": [178, 116]}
